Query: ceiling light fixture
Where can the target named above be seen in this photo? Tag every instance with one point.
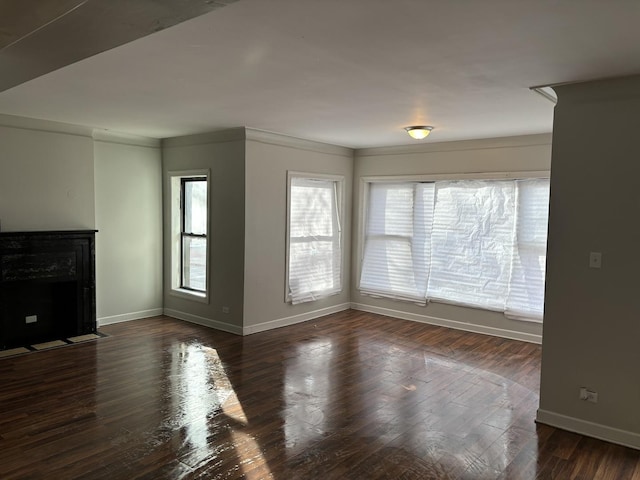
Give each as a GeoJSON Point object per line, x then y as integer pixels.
{"type": "Point", "coordinates": [419, 131]}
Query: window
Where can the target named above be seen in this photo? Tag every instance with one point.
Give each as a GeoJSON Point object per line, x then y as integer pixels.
{"type": "Point", "coordinates": [193, 234]}
{"type": "Point", "coordinates": [314, 250]}
{"type": "Point", "coordinates": [189, 234]}
{"type": "Point", "coordinates": [396, 253]}
{"type": "Point", "coordinates": [478, 243]}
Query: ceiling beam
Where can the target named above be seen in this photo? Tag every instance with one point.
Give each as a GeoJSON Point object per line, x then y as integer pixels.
{"type": "Point", "coordinates": [40, 36]}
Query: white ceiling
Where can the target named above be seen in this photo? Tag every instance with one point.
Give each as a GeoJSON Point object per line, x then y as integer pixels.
{"type": "Point", "coordinates": [345, 72]}
{"type": "Point", "coordinates": [40, 36]}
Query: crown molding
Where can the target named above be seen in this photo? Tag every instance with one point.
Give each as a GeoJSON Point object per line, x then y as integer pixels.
{"type": "Point", "coordinates": [606, 89]}
{"type": "Point", "coordinates": [110, 136]}
{"type": "Point", "coordinates": [26, 123]}
{"type": "Point", "coordinates": [217, 136]}
{"type": "Point", "coordinates": [270, 138]}
{"type": "Point", "coordinates": [479, 144]}
{"type": "Point", "coordinates": [255, 135]}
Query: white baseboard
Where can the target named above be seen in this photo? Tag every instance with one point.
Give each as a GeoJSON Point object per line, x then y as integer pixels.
{"type": "Point", "coordinates": [206, 322]}
{"type": "Point", "coordinates": [590, 429]}
{"type": "Point", "coordinates": [443, 322]}
{"type": "Point", "coordinates": [126, 317]}
{"type": "Point", "coordinates": [286, 321]}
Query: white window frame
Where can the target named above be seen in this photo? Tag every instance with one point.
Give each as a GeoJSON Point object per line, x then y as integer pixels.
{"type": "Point", "coordinates": [339, 179]}
{"type": "Point", "coordinates": [363, 200]}
{"type": "Point", "coordinates": [175, 187]}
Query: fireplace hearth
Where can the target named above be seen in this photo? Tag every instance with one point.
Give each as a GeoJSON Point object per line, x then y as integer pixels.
{"type": "Point", "coordinates": [47, 286]}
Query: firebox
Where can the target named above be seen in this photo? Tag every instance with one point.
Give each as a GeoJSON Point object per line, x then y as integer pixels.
{"type": "Point", "coordinates": [47, 286]}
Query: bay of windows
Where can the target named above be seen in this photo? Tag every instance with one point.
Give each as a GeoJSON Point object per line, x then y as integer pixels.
{"type": "Point", "coordinates": [477, 243]}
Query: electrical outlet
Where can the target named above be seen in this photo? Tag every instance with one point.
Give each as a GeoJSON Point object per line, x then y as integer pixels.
{"type": "Point", "coordinates": [31, 319]}
{"type": "Point", "coordinates": [588, 395]}
{"type": "Point", "coordinates": [595, 260]}
{"type": "Point", "coordinates": [226, 309]}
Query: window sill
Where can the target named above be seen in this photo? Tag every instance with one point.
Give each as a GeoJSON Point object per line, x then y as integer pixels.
{"type": "Point", "coordinates": [425, 303]}
{"type": "Point", "coordinates": [190, 295]}
{"type": "Point", "coordinates": [312, 297]}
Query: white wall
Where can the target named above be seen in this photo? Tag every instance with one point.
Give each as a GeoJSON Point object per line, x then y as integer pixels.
{"type": "Point", "coordinates": [128, 199]}
{"type": "Point", "coordinates": [54, 177]}
{"type": "Point", "coordinates": [268, 158]}
{"type": "Point", "coordinates": [511, 154]}
{"type": "Point", "coordinates": [46, 176]}
{"type": "Point", "coordinates": [592, 316]}
{"type": "Point", "coordinates": [222, 153]}
{"type": "Point", "coordinates": [47, 181]}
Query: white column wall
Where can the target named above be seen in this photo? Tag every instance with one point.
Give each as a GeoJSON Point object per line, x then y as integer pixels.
{"type": "Point", "coordinates": [128, 198]}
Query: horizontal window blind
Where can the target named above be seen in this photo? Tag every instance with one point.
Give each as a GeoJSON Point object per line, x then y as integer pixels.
{"type": "Point", "coordinates": [315, 253]}
{"type": "Point", "coordinates": [528, 263]}
{"type": "Point", "coordinates": [477, 243]}
{"type": "Point", "coordinates": [396, 243]}
{"type": "Point", "coordinates": [471, 243]}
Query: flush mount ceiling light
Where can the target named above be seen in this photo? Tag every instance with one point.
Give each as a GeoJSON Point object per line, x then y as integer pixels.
{"type": "Point", "coordinates": [419, 131]}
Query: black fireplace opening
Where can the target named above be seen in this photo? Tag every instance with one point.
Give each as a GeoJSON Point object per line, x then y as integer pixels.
{"type": "Point", "coordinates": [47, 286]}
{"type": "Point", "coordinates": [36, 312]}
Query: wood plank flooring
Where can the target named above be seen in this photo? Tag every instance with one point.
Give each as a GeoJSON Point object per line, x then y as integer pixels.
{"type": "Point", "coordinates": [348, 396]}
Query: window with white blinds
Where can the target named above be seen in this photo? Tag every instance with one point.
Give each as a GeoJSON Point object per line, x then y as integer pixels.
{"type": "Point", "coordinates": [314, 239]}
{"type": "Point", "coordinates": [528, 262]}
{"type": "Point", "coordinates": [397, 246]}
{"type": "Point", "coordinates": [472, 241]}
{"type": "Point", "coordinates": [477, 243]}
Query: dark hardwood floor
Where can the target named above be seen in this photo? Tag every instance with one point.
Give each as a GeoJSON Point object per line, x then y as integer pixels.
{"type": "Point", "coordinates": [348, 396]}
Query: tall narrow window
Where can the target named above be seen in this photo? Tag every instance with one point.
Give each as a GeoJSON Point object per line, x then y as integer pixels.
{"type": "Point", "coordinates": [193, 234]}
{"type": "Point", "coordinates": [314, 238]}
{"type": "Point", "coordinates": [188, 243]}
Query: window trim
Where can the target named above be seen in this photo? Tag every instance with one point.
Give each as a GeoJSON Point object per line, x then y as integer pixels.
{"type": "Point", "coordinates": [340, 193]}
{"type": "Point", "coordinates": [363, 196]}
{"type": "Point", "coordinates": [183, 232]}
{"type": "Point", "coordinates": [175, 235]}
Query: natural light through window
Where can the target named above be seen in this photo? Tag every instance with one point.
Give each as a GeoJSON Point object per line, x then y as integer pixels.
{"type": "Point", "coordinates": [475, 243]}
{"type": "Point", "coordinates": [190, 233]}
{"type": "Point", "coordinates": [203, 392]}
{"type": "Point", "coordinates": [194, 233]}
{"type": "Point", "coordinates": [314, 239]}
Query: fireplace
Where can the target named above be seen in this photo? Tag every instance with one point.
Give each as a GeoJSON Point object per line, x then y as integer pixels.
{"type": "Point", "coordinates": [47, 286]}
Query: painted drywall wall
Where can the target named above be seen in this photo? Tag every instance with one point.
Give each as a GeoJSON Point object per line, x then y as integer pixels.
{"type": "Point", "coordinates": [222, 153]}
{"type": "Point", "coordinates": [46, 176]}
{"type": "Point", "coordinates": [268, 158]}
{"type": "Point", "coordinates": [592, 324]}
{"type": "Point", "coordinates": [511, 154]}
{"type": "Point", "coordinates": [128, 199]}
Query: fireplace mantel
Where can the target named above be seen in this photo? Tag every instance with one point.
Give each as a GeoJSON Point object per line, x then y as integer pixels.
{"type": "Point", "coordinates": [47, 286]}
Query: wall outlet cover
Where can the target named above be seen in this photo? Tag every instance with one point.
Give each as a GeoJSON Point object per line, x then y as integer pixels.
{"type": "Point", "coordinates": [595, 260]}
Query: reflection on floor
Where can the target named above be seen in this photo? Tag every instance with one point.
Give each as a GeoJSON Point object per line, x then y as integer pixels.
{"type": "Point", "coordinates": [349, 396]}
{"type": "Point", "coordinates": [10, 352]}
